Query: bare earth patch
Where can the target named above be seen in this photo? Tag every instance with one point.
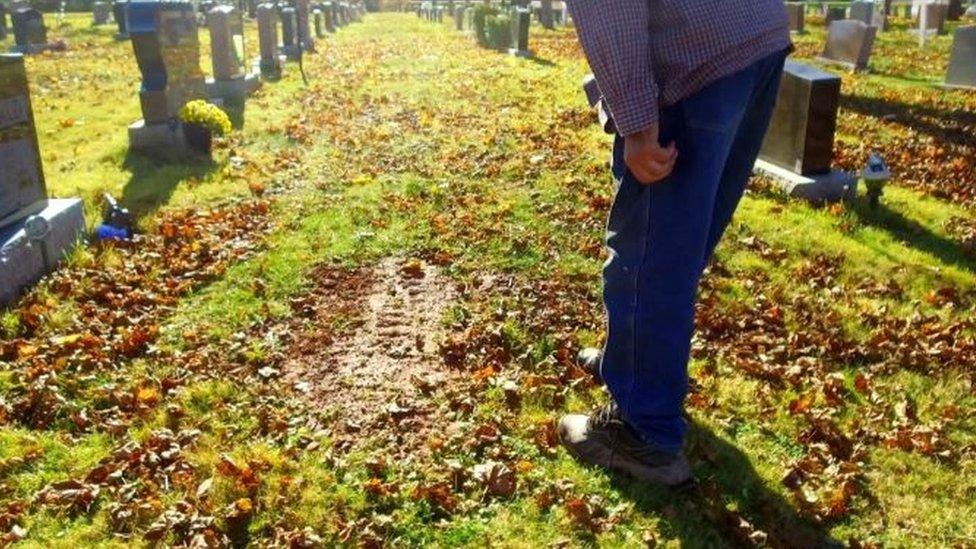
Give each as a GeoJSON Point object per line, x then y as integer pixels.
{"type": "Point", "coordinates": [370, 356]}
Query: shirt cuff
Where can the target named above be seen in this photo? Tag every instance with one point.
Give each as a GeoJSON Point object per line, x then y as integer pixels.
{"type": "Point", "coordinates": [637, 111]}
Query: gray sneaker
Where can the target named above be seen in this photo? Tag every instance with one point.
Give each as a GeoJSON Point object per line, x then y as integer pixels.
{"type": "Point", "coordinates": [589, 360]}
{"type": "Point", "coordinates": [604, 439]}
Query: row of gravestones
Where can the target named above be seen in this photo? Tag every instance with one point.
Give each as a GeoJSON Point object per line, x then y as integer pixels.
{"type": "Point", "coordinates": [931, 15]}
{"type": "Point", "coordinates": [850, 41]}
{"type": "Point", "coordinates": [521, 20]}
{"type": "Point", "coordinates": [35, 231]}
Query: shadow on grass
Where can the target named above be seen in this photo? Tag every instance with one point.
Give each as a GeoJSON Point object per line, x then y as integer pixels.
{"type": "Point", "coordinates": [153, 181]}
{"type": "Point", "coordinates": [728, 490]}
{"type": "Point", "coordinates": [914, 234]}
{"type": "Point", "coordinates": [949, 125]}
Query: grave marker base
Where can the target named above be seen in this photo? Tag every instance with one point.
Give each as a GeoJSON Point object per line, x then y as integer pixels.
{"type": "Point", "coordinates": [525, 54]}
{"type": "Point", "coordinates": [291, 53]}
{"type": "Point", "coordinates": [849, 66]}
{"type": "Point", "coordinates": [238, 87]}
{"type": "Point", "coordinates": [26, 262]}
{"type": "Point", "coordinates": [163, 141]}
{"type": "Point", "coordinates": [270, 71]}
{"type": "Point", "coordinates": [823, 188]}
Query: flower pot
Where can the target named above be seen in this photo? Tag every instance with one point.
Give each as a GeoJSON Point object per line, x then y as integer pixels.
{"type": "Point", "coordinates": [199, 139]}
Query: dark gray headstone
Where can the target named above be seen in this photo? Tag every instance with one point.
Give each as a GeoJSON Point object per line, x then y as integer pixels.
{"type": "Point", "coordinates": [956, 10]}
{"type": "Point", "coordinates": [268, 41]}
{"type": "Point", "coordinates": [226, 25]}
{"type": "Point", "coordinates": [521, 19]}
{"type": "Point", "coordinates": [303, 12]}
{"type": "Point", "coordinates": [850, 43]}
{"type": "Point", "coordinates": [835, 14]}
{"type": "Point", "coordinates": [801, 134]}
{"type": "Point", "coordinates": [22, 177]}
{"type": "Point", "coordinates": [547, 14]}
{"type": "Point", "coordinates": [120, 11]}
{"type": "Point", "coordinates": [167, 48]}
{"type": "Point", "coordinates": [101, 13]}
{"type": "Point", "coordinates": [962, 60]}
{"type": "Point", "coordinates": [29, 29]}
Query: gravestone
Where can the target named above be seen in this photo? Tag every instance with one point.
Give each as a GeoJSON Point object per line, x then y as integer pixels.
{"type": "Point", "coordinates": [459, 18]}
{"type": "Point", "coordinates": [521, 19]}
{"type": "Point", "coordinates": [230, 83]}
{"type": "Point", "coordinates": [3, 22]}
{"type": "Point", "coordinates": [35, 232]}
{"type": "Point", "coordinates": [166, 43]}
{"type": "Point", "coordinates": [835, 14]}
{"type": "Point", "coordinates": [30, 34]}
{"type": "Point", "coordinates": [547, 15]}
{"type": "Point", "coordinates": [289, 37]}
{"type": "Point", "coordinates": [955, 10]}
{"type": "Point", "coordinates": [962, 60]}
{"type": "Point", "coordinates": [849, 43]}
{"type": "Point", "coordinates": [100, 13]}
{"type": "Point", "coordinates": [798, 148]}
{"type": "Point", "coordinates": [796, 11]}
{"type": "Point", "coordinates": [269, 62]}
{"type": "Point", "coordinates": [931, 19]}
{"type": "Point", "coordinates": [302, 12]}
{"type": "Point", "coordinates": [329, 15]}
{"type": "Point", "coordinates": [869, 13]}
{"type": "Point", "coordinates": [318, 23]}
{"type": "Point", "coordinates": [252, 8]}
{"type": "Point", "coordinates": [336, 21]}
{"type": "Point", "coordinates": [120, 11]}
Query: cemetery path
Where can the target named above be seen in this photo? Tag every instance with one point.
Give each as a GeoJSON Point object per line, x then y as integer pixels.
{"type": "Point", "coordinates": [371, 353]}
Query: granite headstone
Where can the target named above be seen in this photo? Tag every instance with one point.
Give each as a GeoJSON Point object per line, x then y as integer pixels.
{"type": "Point", "coordinates": [796, 11]}
{"type": "Point", "coordinates": [849, 43]}
{"type": "Point", "coordinates": [269, 62]}
{"type": "Point", "coordinates": [962, 60]}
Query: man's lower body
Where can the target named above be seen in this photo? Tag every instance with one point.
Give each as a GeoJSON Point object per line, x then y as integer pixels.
{"type": "Point", "coordinates": [661, 236]}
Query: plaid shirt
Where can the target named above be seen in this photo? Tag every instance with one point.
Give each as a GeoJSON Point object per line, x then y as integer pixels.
{"type": "Point", "coordinates": [652, 53]}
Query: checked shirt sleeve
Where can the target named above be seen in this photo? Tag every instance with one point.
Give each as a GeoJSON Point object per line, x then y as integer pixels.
{"type": "Point", "coordinates": [615, 39]}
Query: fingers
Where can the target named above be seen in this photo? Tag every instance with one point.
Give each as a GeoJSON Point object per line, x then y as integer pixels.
{"type": "Point", "coordinates": [653, 164]}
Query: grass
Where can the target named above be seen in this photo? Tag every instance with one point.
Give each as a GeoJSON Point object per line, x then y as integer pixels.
{"type": "Point", "coordinates": [412, 142]}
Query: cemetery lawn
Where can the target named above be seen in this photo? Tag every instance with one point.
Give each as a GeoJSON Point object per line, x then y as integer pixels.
{"type": "Point", "coordinates": [357, 323]}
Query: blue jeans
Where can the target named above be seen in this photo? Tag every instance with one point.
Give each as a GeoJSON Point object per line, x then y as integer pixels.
{"type": "Point", "coordinates": [661, 236]}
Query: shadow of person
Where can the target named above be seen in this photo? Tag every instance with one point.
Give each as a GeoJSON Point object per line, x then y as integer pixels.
{"type": "Point", "coordinates": [914, 234]}
{"type": "Point", "coordinates": [153, 181]}
{"type": "Point", "coordinates": [729, 504]}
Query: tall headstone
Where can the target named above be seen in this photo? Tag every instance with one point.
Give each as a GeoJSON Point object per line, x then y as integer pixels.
{"type": "Point", "coordinates": [166, 43]}
{"type": "Point", "coordinates": [797, 16]}
{"type": "Point", "coordinates": [329, 15]}
{"type": "Point", "coordinates": [931, 19]}
{"type": "Point", "coordinates": [547, 14]}
{"type": "Point", "coordinates": [35, 232]}
{"type": "Point", "coordinates": [289, 33]}
{"type": "Point", "coordinates": [318, 23]}
{"type": "Point", "coordinates": [120, 11]}
{"type": "Point", "coordinates": [869, 13]}
{"type": "Point", "coordinates": [955, 10]}
{"type": "Point", "coordinates": [962, 60]}
{"type": "Point", "coordinates": [251, 6]}
{"type": "Point", "coordinates": [30, 34]}
{"type": "Point", "coordinates": [521, 19]}
{"type": "Point", "coordinates": [303, 12]}
{"type": "Point", "coordinates": [100, 13]}
{"type": "Point", "coordinates": [849, 43]}
{"type": "Point", "coordinates": [230, 81]}
{"type": "Point", "coordinates": [269, 63]}
{"type": "Point", "coordinates": [798, 148]}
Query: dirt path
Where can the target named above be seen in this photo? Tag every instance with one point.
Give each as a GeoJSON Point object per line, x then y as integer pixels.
{"type": "Point", "coordinates": [381, 368]}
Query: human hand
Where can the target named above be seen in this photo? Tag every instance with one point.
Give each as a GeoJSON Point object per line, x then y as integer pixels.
{"type": "Point", "coordinates": [646, 158]}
